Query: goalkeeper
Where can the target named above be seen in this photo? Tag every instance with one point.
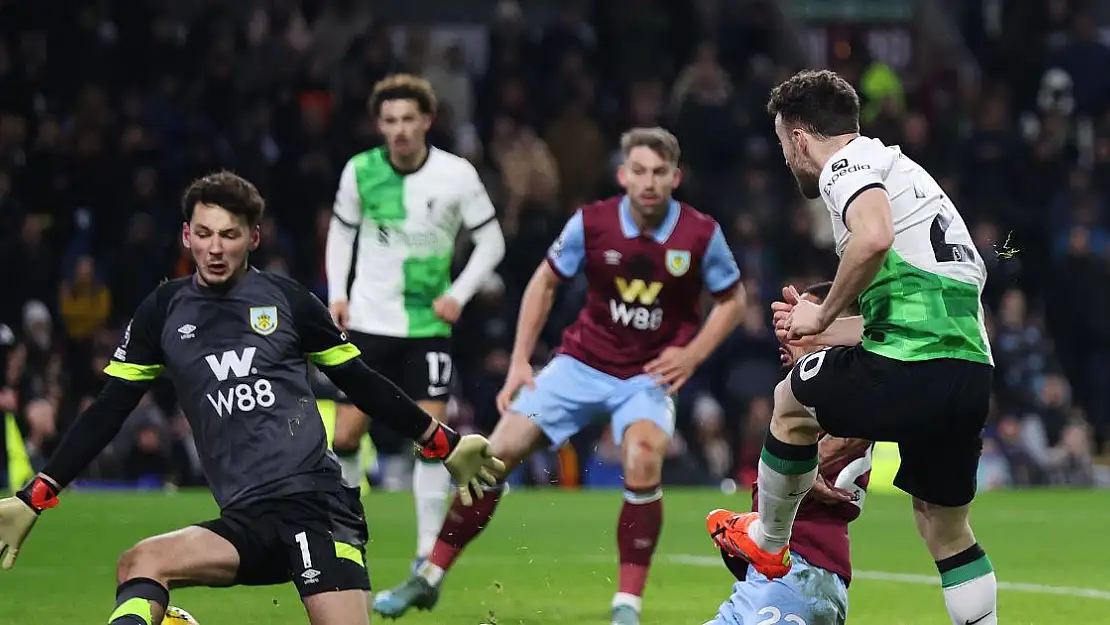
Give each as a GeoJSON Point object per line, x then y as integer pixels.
{"type": "Point", "coordinates": [235, 342]}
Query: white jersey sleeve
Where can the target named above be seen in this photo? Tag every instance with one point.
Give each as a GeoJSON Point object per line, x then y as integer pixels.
{"type": "Point", "coordinates": [342, 231]}
{"type": "Point", "coordinates": [475, 206]}
{"type": "Point", "coordinates": [846, 176]}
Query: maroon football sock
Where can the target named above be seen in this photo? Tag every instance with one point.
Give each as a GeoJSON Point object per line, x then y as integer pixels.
{"type": "Point", "coordinates": [461, 526]}
{"type": "Point", "coordinates": [638, 529]}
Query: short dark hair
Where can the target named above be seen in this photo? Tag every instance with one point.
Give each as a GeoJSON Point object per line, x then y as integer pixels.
{"type": "Point", "coordinates": [227, 190]}
{"type": "Point", "coordinates": [403, 87]}
{"type": "Point", "coordinates": [821, 290]}
{"type": "Point", "coordinates": [658, 140]}
{"type": "Point", "coordinates": [820, 102]}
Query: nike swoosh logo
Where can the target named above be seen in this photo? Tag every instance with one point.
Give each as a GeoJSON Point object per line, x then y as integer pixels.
{"type": "Point", "coordinates": [979, 619]}
{"type": "Point", "coordinates": [797, 494]}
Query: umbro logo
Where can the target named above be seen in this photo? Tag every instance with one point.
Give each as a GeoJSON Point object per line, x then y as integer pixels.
{"type": "Point", "coordinates": [310, 576]}
{"type": "Point", "coordinates": [187, 331]}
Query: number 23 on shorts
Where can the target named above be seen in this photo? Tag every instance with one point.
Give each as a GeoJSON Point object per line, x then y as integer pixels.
{"type": "Point", "coordinates": [774, 615]}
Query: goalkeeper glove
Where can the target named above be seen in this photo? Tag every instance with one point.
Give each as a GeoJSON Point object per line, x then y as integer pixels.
{"type": "Point", "coordinates": [469, 459]}
{"type": "Point", "coordinates": [18, 515]}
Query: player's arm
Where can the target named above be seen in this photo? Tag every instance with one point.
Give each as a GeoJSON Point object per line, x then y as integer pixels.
{"type": "Point", "coordinates": [136, 363]}
{"type": "Point", "coordinates": [863, 204]}
{"type": "Point", "coordinates": [722, 278]}
{"type": "Point", "coordinates": [480, 219]}
{"type": "Point", "coordinates": [845, 331]}
{"type": "Point", "coordinates": [564, 260]}
{"type": "Point", "coordinates": [342, 231]}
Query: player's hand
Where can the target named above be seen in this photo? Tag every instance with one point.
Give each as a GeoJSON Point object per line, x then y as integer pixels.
{"type": "Point", "coordinates": [780, 311]}
{"type": "Point", "coordinates": [825, 492]}
{"type": "Point", "coordinates": [447, 308]}
{"type": "Point", "coordinates": [805, 319]}
{"type": "Point", "coordinates": [520, 375]}
{"type": "Point", "coordinates": [673, 367]}
{"type": "Point", "coordinates": [18, 515]}
{"type": "Point", "coordinates": [340, 311]}
{"type": "Point", "coordinates": [469, 459]}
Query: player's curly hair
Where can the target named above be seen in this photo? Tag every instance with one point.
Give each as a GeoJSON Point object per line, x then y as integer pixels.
{"type": "Point", "coordinates": [229, 191]}
{"type": "Point", "coordinates": [404, 87]}
{"type": "Point", "coordinates": [819, 102]}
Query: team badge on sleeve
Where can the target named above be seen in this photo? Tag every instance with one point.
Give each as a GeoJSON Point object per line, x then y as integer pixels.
{"type": "Point", "coordinates": [264, 319]}
{"type": "Point", "coordinates": [678, 262]}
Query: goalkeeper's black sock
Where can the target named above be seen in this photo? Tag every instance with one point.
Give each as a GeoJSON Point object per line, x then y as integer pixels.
{"type": "Point", "coordinates": [138, 600]}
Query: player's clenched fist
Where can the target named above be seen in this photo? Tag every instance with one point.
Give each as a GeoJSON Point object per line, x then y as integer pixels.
{"type": "Point", "coordinates": [519, 376]}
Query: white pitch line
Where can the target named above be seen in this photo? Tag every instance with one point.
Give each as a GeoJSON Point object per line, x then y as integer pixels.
{"type": "Point", "coordinates": [927, 580]}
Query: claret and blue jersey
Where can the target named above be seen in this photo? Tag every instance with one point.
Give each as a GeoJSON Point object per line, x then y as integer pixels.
{"type": "Point", "coordinates": [644, 295]}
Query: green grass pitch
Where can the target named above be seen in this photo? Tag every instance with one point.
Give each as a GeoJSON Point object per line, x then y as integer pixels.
{"type": "Point", "coordinates": [549, 557]}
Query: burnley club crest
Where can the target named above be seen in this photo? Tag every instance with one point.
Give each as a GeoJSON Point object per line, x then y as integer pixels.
{"type": "Point", "coordinates": [264, 319]}
{"type": "Point", "coordinates": [678, 262]}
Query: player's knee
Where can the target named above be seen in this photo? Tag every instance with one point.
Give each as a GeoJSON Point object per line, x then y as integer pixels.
{"type": "Point", "coordinates": [349, 428]}
{"type": "Point", "coordinates": [642, 450]}
{"type": "Point", "coordinates": [945, 530]}
{"type": "Point", "coordinates": [145, 559]}
{"type": "Point", "coordinates": [514, 438]}
{"type": "Point", "coordinates": [790, 418]}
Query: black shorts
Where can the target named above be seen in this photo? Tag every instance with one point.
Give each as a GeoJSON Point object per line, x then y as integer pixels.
{"type": "Point", "coordinates": [316, 540]}
{"type": "Point", "coordinates": [934, 409]}
{"type": "Point", "coordinates": [421, 367]}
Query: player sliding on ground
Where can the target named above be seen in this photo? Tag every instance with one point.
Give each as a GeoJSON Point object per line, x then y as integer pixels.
{"type": "Point", "coordinates": [914, 369]}
{"type": "Point", "coordinates": [235, 341]}
{"type": "Point", "coordinates": [405, 203]}
{"type": "Point", "coordinates": [816, 589]}
{"type": "Point", "coordinates": [647, 259]}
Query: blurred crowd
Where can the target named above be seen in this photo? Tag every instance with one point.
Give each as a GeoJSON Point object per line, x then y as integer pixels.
{"type": "Point", "coordinates": [107, 109]}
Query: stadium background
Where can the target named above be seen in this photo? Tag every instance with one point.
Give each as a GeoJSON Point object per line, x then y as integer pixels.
{"type": "Point", "coordinates": [108, 108]}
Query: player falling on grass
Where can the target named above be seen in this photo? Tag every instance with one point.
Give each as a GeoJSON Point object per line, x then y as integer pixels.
{"type": "Point", "coordinates": [816, 589]}
{"type": "Point", "coordinates": [236, 341]}
{"type": "Point", "coordinates": [647, 259]}
{"type": "Point", "coordinates": [914, 369]}
{"type": "Point", "coordinates": [398, 212]}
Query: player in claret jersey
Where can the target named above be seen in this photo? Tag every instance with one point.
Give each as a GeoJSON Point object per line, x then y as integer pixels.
{"type": "Point", "coordinates": [816, 589]}
{"type": "Point", "coordinates": [915, 368]}
{"type": "Point", "coordinates": [647, 259]}
{"type": "Point", "coordinates": [236, 342]}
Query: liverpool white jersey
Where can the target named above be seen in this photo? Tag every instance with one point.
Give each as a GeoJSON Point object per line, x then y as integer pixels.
{"type": "Point", "coordinates": [407, 224]}
{"type": "Point", "coordinates": [924, 302]}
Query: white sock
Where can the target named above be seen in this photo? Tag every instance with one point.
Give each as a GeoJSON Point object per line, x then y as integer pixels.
{"type": "Point", "coordinates": [431, 485]}
{"type": "Point", "coordinates": [431, 573]}
{"type": "Point", "coordinates": [628, 599]}
{"type": "Point", "coordinates": [351, 465]}
{"type": "Point", "coordinates": [970, 590]}
{"type": "Point", "coordinates": [780, 495]}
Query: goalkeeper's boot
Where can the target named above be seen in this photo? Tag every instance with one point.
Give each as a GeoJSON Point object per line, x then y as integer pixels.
{"type": "Point", "coordinates": [730, 531]}
{"type": "Point", "coordinates": [625, 615]}
{"type": "Point", "coordinates": [415, 592]}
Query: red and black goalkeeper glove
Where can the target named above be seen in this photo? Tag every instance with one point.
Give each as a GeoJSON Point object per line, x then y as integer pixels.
{"type": "Point", "coordinates": [39, 495]}
{"type": "Point", "coordinates": [440, 444]}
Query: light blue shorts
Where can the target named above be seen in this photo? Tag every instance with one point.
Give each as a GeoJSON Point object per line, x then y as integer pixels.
{"type": "Point", "coordinates": [806, 596]}
{"type": "Point", "coordinates": [569, 395]}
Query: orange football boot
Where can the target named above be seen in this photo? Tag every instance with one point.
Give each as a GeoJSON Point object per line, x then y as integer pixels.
{"type": "Point", "coordinates": [730, 531]}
